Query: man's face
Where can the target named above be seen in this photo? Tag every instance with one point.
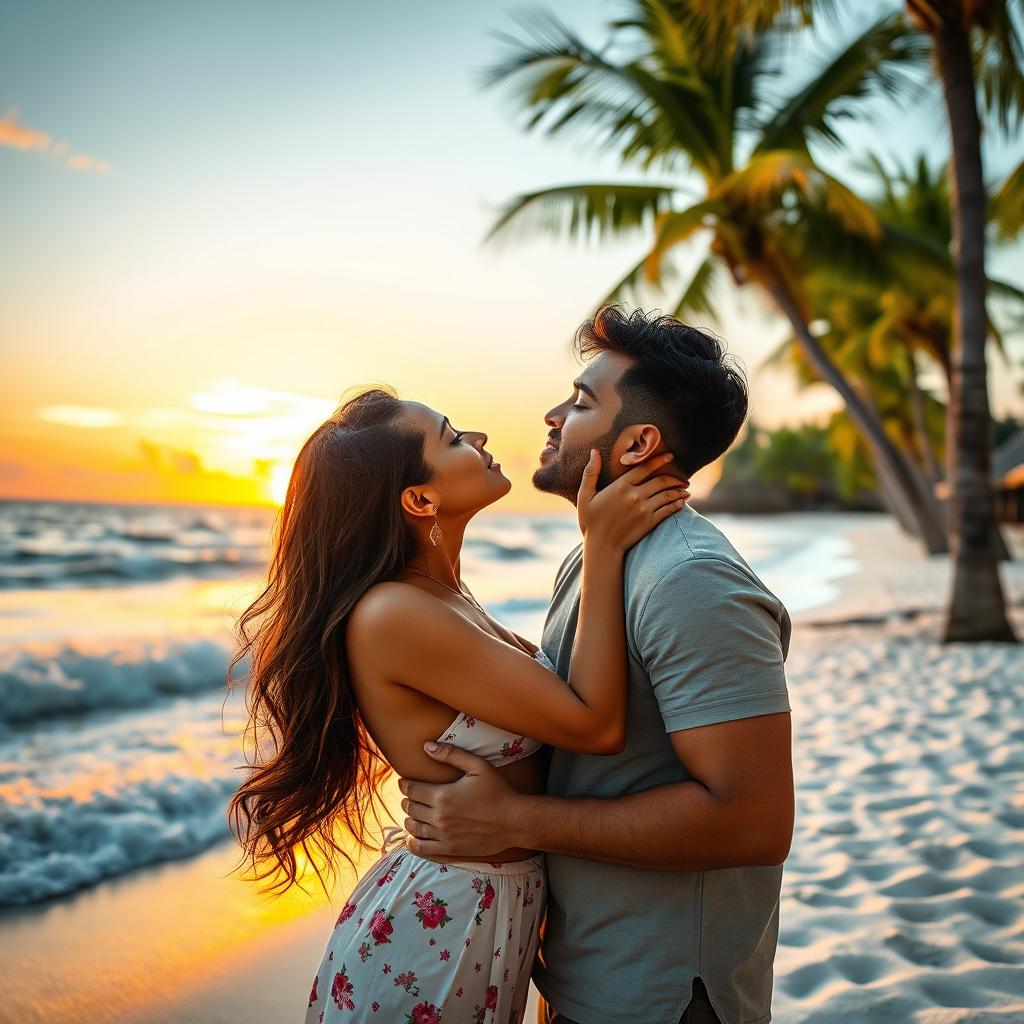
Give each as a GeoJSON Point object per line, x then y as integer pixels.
{"type": "Point", "coordinates": [583, 421]}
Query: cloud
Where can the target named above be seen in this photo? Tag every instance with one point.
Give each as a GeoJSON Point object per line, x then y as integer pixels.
{"type": "Point", "coordinates": [81, 162]}
{"type": "Point", "coordinates": [16, 135]}
{"type": "Point", "coordinates": [230, 398]}
{"type": "Point", "coordinates": [20, 137]}
{"type": "Point", "coordinates": [240, 430]}
{"type": "Point", "coordinates": [166, 457]}
{"type": "Point", "coordinates": [86, 416]}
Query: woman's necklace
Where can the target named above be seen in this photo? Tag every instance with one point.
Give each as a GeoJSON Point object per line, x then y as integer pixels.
{"type": "Point", "coordinates": [464, 596]}
{"type": "Point", "coordinates": [461, 593]}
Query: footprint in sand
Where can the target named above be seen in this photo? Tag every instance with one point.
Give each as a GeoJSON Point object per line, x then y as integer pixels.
{"type": "Point", "coordinates": [990, 909]}
{"type": "Point", "coordinates": [986, 848]}
{"type": "Point", "coordinates": [797, 937]}
{"type": "Point", "coordinates": [842, 827]}
{"type": "Point", "coordinates": [994, 954]}
{"type": "Point", "coordinates": [923, 884]}
{"type": "Point", "coordinates": [953, 991]}
{"type": "Point", "coordinates": [895, 803]}
{"type": "Point", "coordinates": [804, 980]}
{"type": "Point", "coordinates": [917, 951]}
{"type": "Point", "coordinates": [942, 858]}
{"type": "Point", "coordinates": [859, 968]}
{"type": "Point", "coordinates": [920, 912]}
{"type": "Point", "coordinates": [994, 878]}
{"type": "Point", "coordinates": [878, 871]}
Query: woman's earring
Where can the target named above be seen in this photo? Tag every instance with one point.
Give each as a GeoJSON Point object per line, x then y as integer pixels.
{"type": "Point", "coordinates": [436, 536]}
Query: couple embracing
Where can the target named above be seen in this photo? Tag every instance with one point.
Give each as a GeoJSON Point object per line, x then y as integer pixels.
{"type": "Point", "coordinates": [607, 812]}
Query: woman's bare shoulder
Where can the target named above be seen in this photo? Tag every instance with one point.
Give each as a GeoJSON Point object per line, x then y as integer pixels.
{"type": "Point", "coordinates": [382, 597]}
{"type": "Point", "coordinates": [392, 608]}
{"type": "Point", "coordinates": [383, 605]}
{"type": "Point", "coordinates": [374, 621]}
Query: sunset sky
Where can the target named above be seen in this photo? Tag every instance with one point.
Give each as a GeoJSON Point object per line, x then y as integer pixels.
{"type": "Point", "coordinates": [219, 217]}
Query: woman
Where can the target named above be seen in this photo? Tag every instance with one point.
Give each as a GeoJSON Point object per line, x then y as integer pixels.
{"type": "Point", "coordinates": [368, 645]}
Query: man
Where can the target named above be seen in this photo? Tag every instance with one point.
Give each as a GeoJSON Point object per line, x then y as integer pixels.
{"type": "Point", "coordinates": [665, 860]}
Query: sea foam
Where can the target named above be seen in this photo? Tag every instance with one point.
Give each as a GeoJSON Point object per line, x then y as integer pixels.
{"type": "Point", "coordinates": [114, 792]}
{"type": "Point", "coordinates": [42, 680]}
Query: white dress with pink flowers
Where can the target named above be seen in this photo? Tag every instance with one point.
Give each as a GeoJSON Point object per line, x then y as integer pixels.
{"type": "Point", "coordinates": [419, 942]}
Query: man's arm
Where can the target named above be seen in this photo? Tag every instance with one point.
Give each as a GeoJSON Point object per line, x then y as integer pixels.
{"type": "Point", "coordinates": [736, 810]}
{"type": "Point", "coordinates": [740, 813]}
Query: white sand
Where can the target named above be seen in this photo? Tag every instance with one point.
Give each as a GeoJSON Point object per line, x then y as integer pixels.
{"type": "Point", "coordinates": [903, 896]}
{"type": "Point", "coordinates": [902, 893]}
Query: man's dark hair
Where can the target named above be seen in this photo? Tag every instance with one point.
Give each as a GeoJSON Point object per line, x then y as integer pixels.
{"type": "Point", "coordinates": [682, 381]}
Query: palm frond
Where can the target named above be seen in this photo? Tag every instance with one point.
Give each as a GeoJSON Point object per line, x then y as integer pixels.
{"type": "Point", "coordinates": [1005, 289]}
{"type": "Point", "coordinates": [698, 296]}
{"type": "Point", "coordinates": [560, 82]}
{"type": "Point", "coordinates": [998, 58]}
{"type": "Point", "coordinates": [726, 25]}
{"type": "Point", "coordinates": [1007, 206]}
{"type": "Point", "coordinates": [678, 226]}
{"type": "Point", "coordinates": [996, 337]}
{"type": "Point", "coordinates": [629, 285]}
{"type": "Point", "coordinates": [878, 61]}
{"type": "Point", "coordinates": [582, 211]}
{"type": "Point", "coordinates": [998, 289]}
{"type": "Point", "coordinates": [915, 252]}
{"type": "Point", "coordinates": [668, 36]}
{"type": "Point", "coordinates": [872, 164]}
{"type": "Point", "coordinates": [752, 68]}
{"type": "Point", "coordinates": [762, 185]}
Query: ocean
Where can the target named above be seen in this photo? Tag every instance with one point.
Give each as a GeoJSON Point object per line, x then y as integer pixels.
{"type": "Point", "coordinates": [119, 744]}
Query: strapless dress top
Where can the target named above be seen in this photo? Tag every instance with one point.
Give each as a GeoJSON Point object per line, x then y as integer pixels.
{"type": "Point", "coordinates": [488, 741]}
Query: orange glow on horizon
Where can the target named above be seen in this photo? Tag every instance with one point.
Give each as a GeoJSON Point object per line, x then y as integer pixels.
{"type": "Point", "coordinates": [228, 443]}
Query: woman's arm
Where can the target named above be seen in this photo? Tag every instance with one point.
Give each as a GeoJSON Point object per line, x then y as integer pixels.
{"type": "Point", "coordinates": [425, 644]}
{"type": "Point", "coordinates": [522, 639]}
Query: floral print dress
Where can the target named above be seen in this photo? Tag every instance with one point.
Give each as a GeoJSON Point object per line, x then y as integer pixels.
{"type": "Point", "coordinates": [422, 942]}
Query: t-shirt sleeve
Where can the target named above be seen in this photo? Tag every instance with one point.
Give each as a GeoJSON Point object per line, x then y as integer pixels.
{"type": "Point", "coordinates": [566, 562]}
{"type": "Point", "coordinates": [711, 640]}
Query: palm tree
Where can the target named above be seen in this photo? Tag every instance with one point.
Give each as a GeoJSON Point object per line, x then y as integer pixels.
{"type": "Point", "coordinates": [880, 320]}
{"type": "Point", "coordinates": [663, 103]}
{"type": "Point", "coordinates": [967, 35]}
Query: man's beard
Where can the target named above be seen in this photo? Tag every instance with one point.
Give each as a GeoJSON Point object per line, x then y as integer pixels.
{"type": "Point", "coordinates": [562, 475]}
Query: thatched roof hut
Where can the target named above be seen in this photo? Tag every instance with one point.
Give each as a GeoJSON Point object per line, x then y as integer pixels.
{"type": "Point", "coordinates": [1008, 461]}
{"type": "Point", "coordinates": [1008, 477]}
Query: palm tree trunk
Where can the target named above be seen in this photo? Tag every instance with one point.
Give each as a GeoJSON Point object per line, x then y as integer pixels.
{"type": "Point", "coordinates": [888, 488]}
{"type": "Point", "coordinates": [977, 608]}
{"type": "Point", "coordinates": [895, 505]}
{"type": "Point", "coordinates": [899, 480]}
{"type": "Point", "coordinates": [917, 409]}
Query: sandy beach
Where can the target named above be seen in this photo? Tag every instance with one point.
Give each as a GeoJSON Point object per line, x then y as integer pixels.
{"type": "Point", "coordinates": [903, 896]}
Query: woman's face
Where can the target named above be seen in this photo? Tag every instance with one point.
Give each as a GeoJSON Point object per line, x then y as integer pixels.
{"type": "Point", "coordinates": [465, 475]}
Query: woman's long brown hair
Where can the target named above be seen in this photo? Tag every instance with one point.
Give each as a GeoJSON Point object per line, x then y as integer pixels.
{"type": "Point", "coordinates": [339, 531]}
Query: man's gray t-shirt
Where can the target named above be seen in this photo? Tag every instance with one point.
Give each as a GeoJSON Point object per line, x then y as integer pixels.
{"type": "Point", "coordinates": [707, 641]}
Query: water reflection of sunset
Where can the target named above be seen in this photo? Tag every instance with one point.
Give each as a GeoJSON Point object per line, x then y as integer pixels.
{"type": "Point", "coordinates": [167, 930]}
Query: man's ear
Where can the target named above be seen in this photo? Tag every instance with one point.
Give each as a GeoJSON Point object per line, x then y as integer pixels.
{"type": "Point", "coordinates": [642, 441]}
{"type": "Point", "coordinates": [420, 502]}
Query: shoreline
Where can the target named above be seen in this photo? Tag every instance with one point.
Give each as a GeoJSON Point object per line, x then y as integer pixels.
{"type": "Point", "coordinates": [895, 579]}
